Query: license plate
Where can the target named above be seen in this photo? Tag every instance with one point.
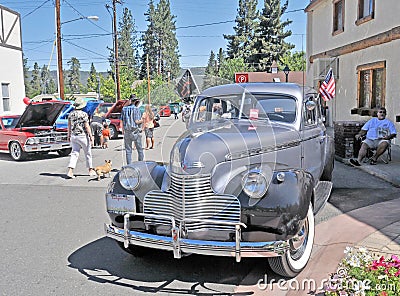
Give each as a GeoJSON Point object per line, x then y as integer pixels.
{"type": "Point", "coordinates": [120, 203]}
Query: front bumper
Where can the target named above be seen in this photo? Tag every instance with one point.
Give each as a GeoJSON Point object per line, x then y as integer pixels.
{"type": "Point", "coordinates": [178, 245]}
{"type": "Point", "coordinates": [46, 147]}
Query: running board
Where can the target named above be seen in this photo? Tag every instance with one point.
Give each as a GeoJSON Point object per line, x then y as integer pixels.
{"type": "Point", "coordinates": [323, 190]}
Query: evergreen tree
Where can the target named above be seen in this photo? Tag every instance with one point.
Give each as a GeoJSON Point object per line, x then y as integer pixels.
{"type": "Point", "coordinates": [149, 44]}
{"type": "Point", "coordinates": [211, 68]}
{"type": "Point", "coordinates": [44, 79]}
{"type": "Point", "coordinates": [73, 78]}
{"type": "Point", "coordinates": [127, 42]}
{"type": "Point", "coordinates": [159, 42]}
{"type": "Point", "coordinates": [211, 72]}
{"type": "Point", "coordinates": [51, 86]}
{"type": "Point", "coordinates": [241, 45]}
{"type": "Point", "coordinates": [28, 88]}
{"type": "Point", "coordinates": [92, 83]}
{"type": "Point", "coordinates": [220, 59]}
{"type": "Point", "coordinates": [270, 45]}
{"type": "Point", "coordinates": [35, 80]}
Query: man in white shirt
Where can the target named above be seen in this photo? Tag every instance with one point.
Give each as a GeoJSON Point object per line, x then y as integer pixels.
{"type": "Point", "coordinates": [379, 131]}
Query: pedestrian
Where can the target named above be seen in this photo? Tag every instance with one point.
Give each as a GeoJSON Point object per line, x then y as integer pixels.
{"type": "Point", "coordinates": [96, 128]}
{"type": "Point", "coordinates": [105, 135]}
{"type": "Point", "coordinates": [80, 136]}
{"type": "Point", "coordinates": [176, 111]}
{"type": "Point", "coordinates": [148, 125]}
{"type": "Point", "coordinates": [378, 131]}
{"type": "Point", "coordinates": [131, 118]}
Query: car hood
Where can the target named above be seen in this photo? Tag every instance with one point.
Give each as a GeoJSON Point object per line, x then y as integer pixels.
{"type": "Point", "coordinates": [41, 114]}
{"type": "Point", "coordinates": [117, 107]}
{"type": "Point", "coordinates": [202, 150]}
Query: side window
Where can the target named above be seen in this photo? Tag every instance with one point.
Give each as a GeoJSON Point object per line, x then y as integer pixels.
{"type": "Point", "coordinates": [371, 85]}
{"type": "Point", "coordinates": [338, 16]}
{"type": "Point", "coordinates": [5, 91]}
{"type": "Point", "coordinates": [366, 9]}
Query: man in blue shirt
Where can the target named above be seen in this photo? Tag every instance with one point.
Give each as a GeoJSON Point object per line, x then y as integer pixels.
{"type": "Point", "coordinates": [379, 131]}
{"type": "Point", "coordinates": [131, 118]}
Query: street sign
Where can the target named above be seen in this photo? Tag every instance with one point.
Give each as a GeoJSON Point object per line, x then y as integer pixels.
{"type": "Point", "coordinates": [241, 77]}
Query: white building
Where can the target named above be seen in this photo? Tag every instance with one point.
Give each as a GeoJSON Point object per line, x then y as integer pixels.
{"type": "Point", "coordinates": [12, 89]}
{"type": "Point", "coordinates": [360, 41]}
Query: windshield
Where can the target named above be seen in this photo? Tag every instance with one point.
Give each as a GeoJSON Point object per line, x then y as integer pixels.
{"type": "Point", "coordinates": [280, 108]}
{"type": "Point", "coordinates": [10, 122]}
{"type": "Point", "coordinates": [102, 109]}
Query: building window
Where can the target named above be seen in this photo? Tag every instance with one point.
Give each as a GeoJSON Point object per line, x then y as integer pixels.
{"type": "Point", "coordinates": [366, 10]}
{"type": "Point", "coordinates": [371, 85]}
{"type": "Point", "coordinates": [6, 96]}
{"type": "Point", "coordinates": [338, 16]}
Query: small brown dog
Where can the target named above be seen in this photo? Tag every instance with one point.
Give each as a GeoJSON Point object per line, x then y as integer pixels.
{"type": "Point", "coordinates": [103, 169]}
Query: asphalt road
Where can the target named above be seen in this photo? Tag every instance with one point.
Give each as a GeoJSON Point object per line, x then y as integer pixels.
{"type": "Point", "coordinates": [53, 243]}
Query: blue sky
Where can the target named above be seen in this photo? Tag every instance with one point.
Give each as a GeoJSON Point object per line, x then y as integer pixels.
{"type": "Point", "coordinates": [88, 40]}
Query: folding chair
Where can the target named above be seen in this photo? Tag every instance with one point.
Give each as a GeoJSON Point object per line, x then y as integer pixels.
{"type": "Point", "coordinates": [385, 157]}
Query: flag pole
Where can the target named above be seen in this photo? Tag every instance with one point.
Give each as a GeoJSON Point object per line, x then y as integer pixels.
{"type": "Point", "coordinates": [148, 79]}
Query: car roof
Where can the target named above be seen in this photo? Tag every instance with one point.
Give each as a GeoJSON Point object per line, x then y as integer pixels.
{"type": "Point", "coordinates": [258, 87]}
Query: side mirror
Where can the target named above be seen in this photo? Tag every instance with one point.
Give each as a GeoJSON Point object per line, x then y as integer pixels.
{"type": "Point", "coordinates": [310, 105]}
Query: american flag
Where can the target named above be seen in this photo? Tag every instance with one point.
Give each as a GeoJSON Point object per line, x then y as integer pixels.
{"type": "Point", "coordinates": [327, 88]}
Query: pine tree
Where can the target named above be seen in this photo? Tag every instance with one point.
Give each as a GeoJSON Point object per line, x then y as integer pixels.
{"type": "Point", "coordinates": [270, 45]}
{"type": "Point", "coordinates": [35, 80]}
{"type": "Point", "coordinates": [160, 44]}
{"type": "Point", "coordinates": [28, 88]}
{"type": "Point", "coordinates": [220, 59]}
{"type": "Point", "coordinates": [149, 44]}
{"type": "Point", "coordinates": [44, 79]}
{"type": "Point", "coordinates": [73, 78]}
{"type": "Point", "coordinates": [91, 83]}
{"type": "Point", "coordinates": [241, 44]}
{"type": "Point", "coordinates": [127, 42]}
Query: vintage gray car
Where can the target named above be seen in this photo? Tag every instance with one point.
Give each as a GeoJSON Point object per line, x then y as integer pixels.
{"type": "Point", "coordinates": [245, 180]}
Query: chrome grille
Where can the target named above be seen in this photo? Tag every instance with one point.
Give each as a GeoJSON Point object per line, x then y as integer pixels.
{"type": "Point", "coordinates": [191, 197]}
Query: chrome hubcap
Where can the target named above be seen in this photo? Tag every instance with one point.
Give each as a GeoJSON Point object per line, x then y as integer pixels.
{"type": "Point", "coordinates": [299, 241]}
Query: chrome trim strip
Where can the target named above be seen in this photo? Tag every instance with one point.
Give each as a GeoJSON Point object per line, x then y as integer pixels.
{"type": "Point", "coordinates": [235, 249]}
{"type": "Point", "coordinates": [46, 147]}
{"type": "Point", "coordinates": [180, 245]}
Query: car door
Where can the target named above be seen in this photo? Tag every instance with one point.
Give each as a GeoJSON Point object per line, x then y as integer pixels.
{"type": "Point", "coordinates": [313, 136]}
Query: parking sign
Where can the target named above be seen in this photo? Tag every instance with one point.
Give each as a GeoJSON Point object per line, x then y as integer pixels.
{"type": "Point", "coordinates": [241, 77]}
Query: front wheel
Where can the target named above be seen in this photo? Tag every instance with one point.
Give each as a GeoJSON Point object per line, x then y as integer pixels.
{"type": "Point", "coordinates": [113, 132]}
{"type": "Point", "coordinates": [16, 151]}
{"type": "Point", "coordinates": [295, 259]}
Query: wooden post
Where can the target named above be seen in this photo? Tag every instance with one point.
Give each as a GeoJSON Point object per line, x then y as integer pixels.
{"type": "Point", "coordinates": [59, 52]}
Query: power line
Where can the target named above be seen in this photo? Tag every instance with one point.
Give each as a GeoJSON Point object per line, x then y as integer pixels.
{"type": "Point", "coordinates": [37, 8]}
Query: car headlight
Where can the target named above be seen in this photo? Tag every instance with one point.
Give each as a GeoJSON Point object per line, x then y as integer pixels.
{"type": "Point", "coordinates": [129, 178]}
{"type": "Point", "coordinates": [254, 184]}
{"type": "Point", "coordinates": [32, 141]}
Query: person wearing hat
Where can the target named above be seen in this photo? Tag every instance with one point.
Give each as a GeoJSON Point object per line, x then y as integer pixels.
{"type": "Point", "coordinates": [131, 118]}
{"type": "Point", "coordinates": [80, 136]}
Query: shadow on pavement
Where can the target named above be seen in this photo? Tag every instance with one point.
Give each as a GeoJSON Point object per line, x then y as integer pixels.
{"type": "Point", "coordinates": [104, 262]}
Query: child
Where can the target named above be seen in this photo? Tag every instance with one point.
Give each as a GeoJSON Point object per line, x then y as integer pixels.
{"type": "Point", "coordinates": [105, 136]}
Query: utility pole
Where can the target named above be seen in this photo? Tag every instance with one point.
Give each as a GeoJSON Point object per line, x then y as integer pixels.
{"type": "Point", "coordinates": [116, 51]}
{"type": "Point", "coordinates": [59, 52]}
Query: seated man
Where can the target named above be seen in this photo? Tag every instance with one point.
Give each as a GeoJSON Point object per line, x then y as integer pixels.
{"type": "Point", "coordinates": [379, 131]}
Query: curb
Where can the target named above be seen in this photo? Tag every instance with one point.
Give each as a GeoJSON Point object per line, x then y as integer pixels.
{"type": "Point", "coordinates": [375, 171]}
